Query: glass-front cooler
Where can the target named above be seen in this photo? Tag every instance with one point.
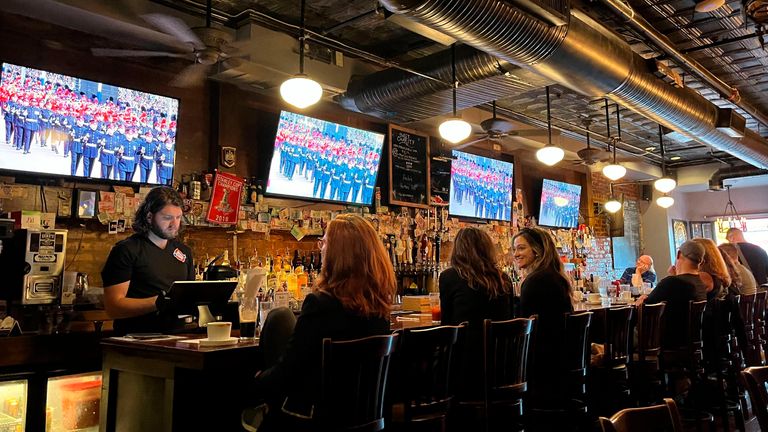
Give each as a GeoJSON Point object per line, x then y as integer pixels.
{"type": "Point", "coordinates": [13, 404]}
{"type": "Point", "coordinates": [73, 403]}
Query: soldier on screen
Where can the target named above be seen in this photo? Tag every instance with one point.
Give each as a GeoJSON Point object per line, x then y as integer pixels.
{"type": "Point", "coordinates": [91, 148]}
{"type": "Point", "coordinates": [346, 181]}
{"type": "Point", "coordinates": [358, 176]}
{"type": "Point", "coordinates": [165, 163]}
{"type": "Point", "coordinates": [129, 146]}
{"type": "Point", "coordinates": [79, 135]}
{"type": "Point", "coordinates": [146, 158]}
{"type": "Point", "coordinates": [63, 133]}
{"type": "Point", "coordinates": [336, 172]}
{"type": "Point", "coordinates": [8, 118]}
{"type": "Point", "coordinates": [32, 126]}
{"type": "Point", "coordinates": [107, 153]}
{"type": "Point", "coordinates": [18, 128]}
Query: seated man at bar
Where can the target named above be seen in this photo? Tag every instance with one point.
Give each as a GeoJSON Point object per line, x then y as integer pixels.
{"type": "Point", "coordinates": [350, 300]}
{"type": "Point", "coordinates": [642, 272]}
{"type": "Point", "coordinates": [682, 286]}
{"type": "Point", "coordinates": [751, 255]}
{"type": "Point", "coordinates": [140, 270]}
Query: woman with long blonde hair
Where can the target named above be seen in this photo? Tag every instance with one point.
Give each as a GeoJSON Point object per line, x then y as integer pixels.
{"type": "Point", "coordinates": [351, 300]}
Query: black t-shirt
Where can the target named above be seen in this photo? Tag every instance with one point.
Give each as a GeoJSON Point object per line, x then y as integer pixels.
{"type": "Point", "coordinates": [757, 259]}
{"type": "Point", "coordinates": [151, 271]}
{"type": "Point", "coordinates": [677, 291]}
{"type": "Point", "coordinates": [459, 302]}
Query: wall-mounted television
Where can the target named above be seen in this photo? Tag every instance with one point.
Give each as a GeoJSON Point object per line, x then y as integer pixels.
{"type": "Point", "coordinates": [61, 125]}
{"type": "Point", "coordinates": [481, 187]}
{"type": "Point", "coordinates": [321, 160]}
{"type": "Point", "coordinates": [559, 204]}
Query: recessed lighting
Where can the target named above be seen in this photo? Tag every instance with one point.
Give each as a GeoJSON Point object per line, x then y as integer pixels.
{"type": "Point", "coordinates": [675, 158]}
{"type": "Point", "coordinates": [651, 148]}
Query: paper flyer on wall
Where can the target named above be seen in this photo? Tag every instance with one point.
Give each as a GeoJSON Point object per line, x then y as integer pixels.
{"type": "Point", "coordinates": [225, 199]}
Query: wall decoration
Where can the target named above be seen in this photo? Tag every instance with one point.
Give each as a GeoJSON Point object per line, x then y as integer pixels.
{"type": "Point", "coordinates": [679, 232]}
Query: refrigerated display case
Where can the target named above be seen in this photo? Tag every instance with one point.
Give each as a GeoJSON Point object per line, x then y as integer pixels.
{"type": "Point", "coordinates": [13, 405]}
{"type": "Point", "coordinates": [73, 403]}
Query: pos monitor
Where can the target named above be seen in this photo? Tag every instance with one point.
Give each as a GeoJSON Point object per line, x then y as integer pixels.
{"type": "Point", "coordinates": [189, 294]}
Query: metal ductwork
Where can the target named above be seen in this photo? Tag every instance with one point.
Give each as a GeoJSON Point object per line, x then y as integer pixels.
{"type": "Point", "coordinates": [716, 180]}
{"type": "Point", "coordinates": [585, 56]}
{"type": "Point", "coordinates": [396, 95]}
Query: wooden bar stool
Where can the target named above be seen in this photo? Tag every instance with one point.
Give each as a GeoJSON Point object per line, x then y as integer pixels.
{"type": "Point", "coordinates": [756, 379]}
{"type": "Point", "coordinates": [424, 362]}
{"type": "Point", "coordinates": [747, 311]}
{"type": "Point", "coordinates": [645, 369]}
{"type": "Point", "coordinates": [610, 377]}
{"type": "Point", "coordinates": [658, 418]}
{"type": "Point", "coordinates": [758, 323]}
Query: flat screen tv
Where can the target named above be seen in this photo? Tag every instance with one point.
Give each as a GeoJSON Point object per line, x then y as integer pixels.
{"type": "Point", "coordinates": [61, 125]}
{"type": "Point", "coordinates": [320, 160]}
{"type": "Point", "coordinates": [559, 204]}
{"type": "Point", "coordinates": [481, 187]}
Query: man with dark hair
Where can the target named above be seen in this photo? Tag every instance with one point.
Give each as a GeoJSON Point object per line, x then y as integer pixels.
{"type": "Point", "coordinates": [681, 286]}
{"type": "Point", "coordinates": [140, 270]}
{"type": "Point", "coordinates": [751, 255]}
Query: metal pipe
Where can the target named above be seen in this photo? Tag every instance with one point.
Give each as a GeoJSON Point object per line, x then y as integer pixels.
{"type": "Point", "coordinates": [693, 67]}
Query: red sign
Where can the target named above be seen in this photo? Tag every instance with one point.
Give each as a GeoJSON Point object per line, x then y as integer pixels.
{"type": "Point", "coordinates": [225, 199]}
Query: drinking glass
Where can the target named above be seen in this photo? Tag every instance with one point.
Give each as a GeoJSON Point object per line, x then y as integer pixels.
{"type": "Point", "coordinates": [249, 311]}
{"type": "Point", "coordinates": [264, 308]}
{"type": "Point", "coordinates": [434, 306]}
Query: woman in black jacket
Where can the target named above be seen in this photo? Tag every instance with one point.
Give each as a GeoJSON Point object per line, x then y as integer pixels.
{"type": "Point", "coordinates": [545, 292]}
{"type": "Point", "coordinates": [473, 289]}
{"type": "Point", "coordinates": [351, 299]}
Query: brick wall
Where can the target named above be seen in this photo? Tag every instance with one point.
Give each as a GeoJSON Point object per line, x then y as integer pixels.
{"type": "Point", "coordinates": [599, 260]}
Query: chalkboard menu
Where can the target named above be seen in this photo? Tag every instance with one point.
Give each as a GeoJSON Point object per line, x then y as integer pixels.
{"type": "Point", "coordinates": [408, 167]}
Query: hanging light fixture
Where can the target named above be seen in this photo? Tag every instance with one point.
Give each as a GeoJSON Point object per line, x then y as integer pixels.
{"type": "Point", "coordinates": [615, 170]}
{"type": "Point", "coordinates": [455, 129]}
{"type": "Point", "coordinates": [666, 183]}
{"type": "Point", "coordinates": [665, 201]}
{"type": "Point", "coordinates": [550, 154]}
{"type": "Point", "coordinates": [301, 91]}
{"type": "Point", "coordinates": [730, 218]}
{"type": "Point", "coordinates": [612, 205]}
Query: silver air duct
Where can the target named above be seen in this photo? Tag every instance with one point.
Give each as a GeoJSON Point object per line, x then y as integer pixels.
{"type": "Point", "coordinates": [716, 180]}
{"type": "Point", "coordinates": [585, 56]}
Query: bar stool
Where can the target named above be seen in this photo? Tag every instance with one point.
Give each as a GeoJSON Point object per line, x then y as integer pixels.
{"type": "Point", "coordinates": [756, 379]}
{"type": "Point", "coordinates": [724, 365]}
{"type": "Point", "coordinates": [664, 417]}
{"type": "Point", "coordinates": [758, 323]}
{"type": "Point", "coordinates": [424, 362]}
{"type": "Point", "coordinates": [505, 348]}
{"type": "Point", "coordinates": [645, 369]}
{"type": "Point", "coordinates": [353, 384]}
{"type": "Point", "coordinates": [610, 376]}
{"type": "Point", "coordinates": [747, 311]}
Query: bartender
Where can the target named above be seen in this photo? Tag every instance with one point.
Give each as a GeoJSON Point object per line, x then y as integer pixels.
{"type": "Point", "coordinates": [140, 270]}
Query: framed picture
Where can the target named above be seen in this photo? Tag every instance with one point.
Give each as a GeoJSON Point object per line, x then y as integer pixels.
{"type": "Point", "coordinates": [86, 204]}
{"type": "Point", "coordinates": [695, 229]}
{"type": "Point", "coordinates": [679, 232]}
{"type": "Point", "coordinates": [708, 230]}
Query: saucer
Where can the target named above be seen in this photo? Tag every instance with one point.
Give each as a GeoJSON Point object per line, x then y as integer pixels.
{"type": "Point", "coordinates": [205, 342]}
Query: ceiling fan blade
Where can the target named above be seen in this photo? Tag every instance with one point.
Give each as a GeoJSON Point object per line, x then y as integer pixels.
{"type": "Point", "coordinates": [469, 143]}
{"type": "Point", "coordinates": [110, 52]}
{"type": "Point", "coordinates": [175, 27]}
{"type": "Point", "coordinates": [531, 133]}
{"type": "Point", "coordinates": [191, 76]}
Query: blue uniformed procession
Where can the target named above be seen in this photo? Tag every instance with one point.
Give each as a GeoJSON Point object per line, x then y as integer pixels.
{"type": "Point", "coordinates": [481, 187]}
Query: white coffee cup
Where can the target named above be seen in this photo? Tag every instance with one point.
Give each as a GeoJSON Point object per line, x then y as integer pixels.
{"type": "Point", "coordinates": [219, 330]}
{"type": "Point", "coordinates": [593, 297]}
{"type": "Point", "coordinates": [625, 295]}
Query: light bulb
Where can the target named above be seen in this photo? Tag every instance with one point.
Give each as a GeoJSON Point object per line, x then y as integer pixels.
{"type": "Point", "coordinates": [612, 206]}
{"type": "Point", "coordinates": [665, 184]}
{"type": "Point", "coordinates": [550, 155]}
{"type": "Point", "coordinates": [665, 201]}
{"type": "Point", "coordinates": [561, 202]}
{"type": "Point", "coordinates": [301, 91]}
{"type": "Point", "coordinates": [455, 130]}
{"type": "Point", "coordinates": [708, 5]}
{"type": "Point", "coordinates": [614, 171]}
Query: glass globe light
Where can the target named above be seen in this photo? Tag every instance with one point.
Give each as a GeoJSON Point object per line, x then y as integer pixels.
{"type": "Point", "coordinates": [665, 184]}
{"type": "Point", "coordinates": [612, 206]}
{"type": "Point", "coordinates": [550, 155]}
{"type": "Point", "coordinates": [455, 130]}
{"type": "Point", "coordinates": [301, 91]}
{"type": "Point", "coordinates": [665, 201]}
{"type": "Point", "coordinates": [614, 171]}
{"type": "Point", "coordinates": [561, 202]}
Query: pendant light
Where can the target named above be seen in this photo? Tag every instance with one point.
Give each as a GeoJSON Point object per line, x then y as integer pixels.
{"type": "Point", "coordinates": [550, 154]}
{"type": "Point", "coordinates": [301, 91]}
{"type": "Point", "coordinates": [612, 205]}
{"type": "Point", "coordinates": [615, 170]}
{"type": "Point", "coordinates": [455, 129]}
{"type": "Point", "coordinates": [666, 183]}
{"type": "Point", "coordinates": [665, 201]}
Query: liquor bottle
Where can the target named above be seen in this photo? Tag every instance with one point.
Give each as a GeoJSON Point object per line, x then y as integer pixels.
{"type": "Point", "coordinates": [312, 261]}
{"type": "Point", "coordinates": [244, 192]}
{"type": "Point", "coordinates": [291, 281]}
{"type": "Point", "coordinates": [302, 280]}
{"type": "Point", "coordinates": [296, 260]}
{"type": "Point", "coordinates": [253, 196]}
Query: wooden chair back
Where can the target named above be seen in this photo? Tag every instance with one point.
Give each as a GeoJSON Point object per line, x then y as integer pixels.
{"type": "Point", "coordinates": [353, 383]}
{"type": "Point", "coordinates": [577, 350]}
{"type": "Point", "coordinates": [617, 336]}
{"type": "Point", "coordinates": [649, 321]}
{"type": "Point", "coordinates": [756, 380]}
{"type": "Point", "coordinates": [505, 346]}
{"type": "Point", "coordinates": [657, 418]}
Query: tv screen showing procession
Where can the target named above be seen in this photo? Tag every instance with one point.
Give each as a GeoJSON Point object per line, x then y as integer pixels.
{"type": "Point", "coordinates": [62, 125]}
{"type": "Point", "coordinates": [320, 160]}
{"type": "Point", "coordinates": [559, 204]}
{"type": "Point", "coordinates": [480, 187]}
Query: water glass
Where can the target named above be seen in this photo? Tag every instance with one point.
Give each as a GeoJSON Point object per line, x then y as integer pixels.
{"type": "Point", "coordinates": [264, 308]}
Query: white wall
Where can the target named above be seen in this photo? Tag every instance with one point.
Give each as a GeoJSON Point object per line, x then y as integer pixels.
{"type": "Point", "coordinates": [657, 231]}
{"type": "Point", "coordinates": [748, 200]}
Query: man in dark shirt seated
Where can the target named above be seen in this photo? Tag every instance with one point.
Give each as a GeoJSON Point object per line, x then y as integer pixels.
{"type": "Point", "coordinates": [750, 255]}
{"type": "Point", "coordinates": [682, 286]}
{"type": "Point", "coordinates": [642, 272]}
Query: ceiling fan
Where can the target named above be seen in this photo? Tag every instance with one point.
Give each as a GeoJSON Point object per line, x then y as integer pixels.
{"type": "Point", "coordinates": [496, 129]}
{"type": "Point", "coordinates": [589, 155]}
{"type": "Point", "coordinates": [207, 46]}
